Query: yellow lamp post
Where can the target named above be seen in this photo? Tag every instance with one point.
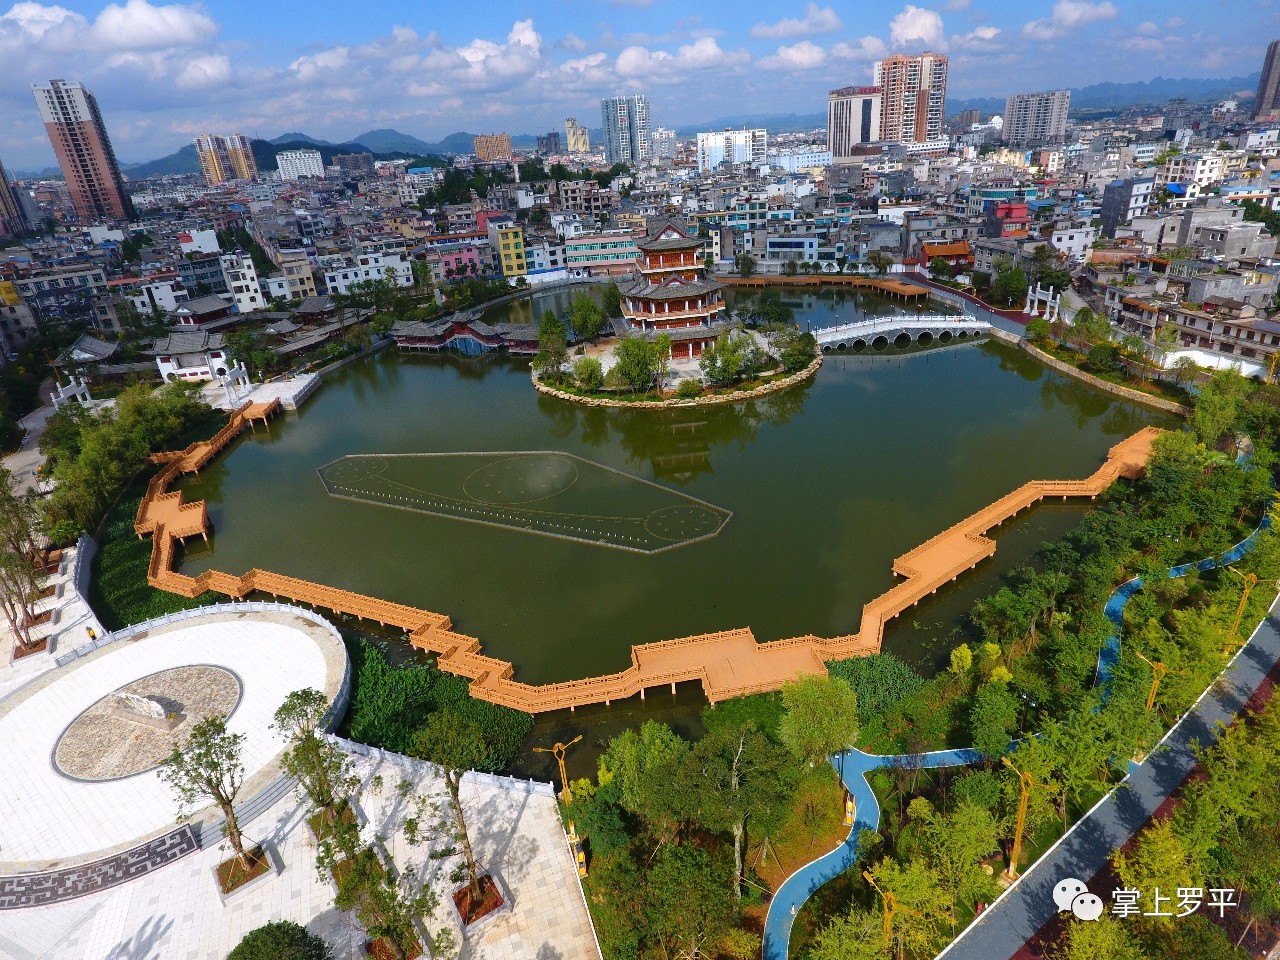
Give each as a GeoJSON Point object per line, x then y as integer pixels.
{"type": "Point", "coordinates": [1158, 670]}
{"type": "Point", "coordinates": [1027, 782]}
{"type": "Point", "coordinates": [559, 750]}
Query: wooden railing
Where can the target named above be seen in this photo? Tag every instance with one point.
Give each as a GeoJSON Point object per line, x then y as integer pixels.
{"type": "Point", "coordinates": [757, 667]}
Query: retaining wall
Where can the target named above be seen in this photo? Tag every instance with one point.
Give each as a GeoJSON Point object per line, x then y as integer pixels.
{"type": "Point", "coordinates": [763, 390]}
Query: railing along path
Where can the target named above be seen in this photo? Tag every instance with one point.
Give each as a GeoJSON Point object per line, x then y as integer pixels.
{"type": "Point", "coordinates": [728, 664]}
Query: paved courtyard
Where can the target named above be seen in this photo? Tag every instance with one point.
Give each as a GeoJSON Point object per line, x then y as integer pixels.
{"type": "Point", "coordinates": [46, 816]}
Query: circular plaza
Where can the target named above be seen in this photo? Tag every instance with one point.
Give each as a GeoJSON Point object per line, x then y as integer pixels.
{"type": "Point", "coordinates": [84, 743]}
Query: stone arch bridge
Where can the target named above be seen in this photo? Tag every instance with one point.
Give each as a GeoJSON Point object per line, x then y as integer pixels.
{"type": "Point", "coordinates": [902, 330]}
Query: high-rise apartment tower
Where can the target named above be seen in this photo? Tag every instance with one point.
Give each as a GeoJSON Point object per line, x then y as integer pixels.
{"type": "Point", "coordinates": [1032, 119]}
{"type": "Point", "coordinates": [576, 139]}
{"type": "Point", "coordinates": [853, 118]}
{"type": "Point", "coordinates": [626, 128]}
{"type": "Point", "coordinates": [914, 97]}
{"type": "Point", "coordinates": [79, 137]}
{"type": "Point", "coordinates": [1267, 103]}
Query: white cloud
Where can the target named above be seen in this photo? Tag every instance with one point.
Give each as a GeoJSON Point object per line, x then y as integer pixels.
{"type": "Point", "coordinates": [959, 4]}
{"type": "Point", "coordinates": [309, 66]}
{"type": "Point", "coordinates": [1147, 29]}
{"type": "Point", "coordinates": [978, 40]}
{"type": "Point", "coordinates": [804, 55]}
{"type": "Point", "coordinates": [918, 27]}
{"type": "Point", "coordinates": [571, 41]}
{"type": "Point", "coordinates": [816, 20]}
{"type": "Point", "coordinates": [636, 62]}
{"type": "Point", "coordinates": [139, 25]}
{"type": "Point", "coordinates": [863, 50]}
{"type": "Point", "coordinates": [207, 71]}
{"type": "Point", "coordinates": [1068, 15]}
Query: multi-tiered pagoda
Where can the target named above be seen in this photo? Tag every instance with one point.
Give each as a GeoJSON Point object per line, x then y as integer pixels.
{"type": "Point", "coordinates": [670, 293]}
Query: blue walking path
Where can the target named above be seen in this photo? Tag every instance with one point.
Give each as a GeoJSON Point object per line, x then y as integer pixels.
{"type": "Point", "coordinates": [856, 767]}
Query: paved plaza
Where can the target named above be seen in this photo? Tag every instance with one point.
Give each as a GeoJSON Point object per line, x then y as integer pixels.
{"type": "Point", "coordinates": [48, 817]}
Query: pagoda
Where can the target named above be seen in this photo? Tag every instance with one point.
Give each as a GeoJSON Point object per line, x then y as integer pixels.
{"type": "Point", "coordinates": [670, 293]}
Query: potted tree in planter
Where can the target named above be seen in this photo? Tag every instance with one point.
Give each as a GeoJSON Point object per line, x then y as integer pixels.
{"type": "Point", "coordinates": [207, 766]}
{"type": "Point", "coordinates": [321, 768]}
{"type": "Point", "coordinates": [393, 910]}
{"type": "Point", "coordinates": [457, 745]}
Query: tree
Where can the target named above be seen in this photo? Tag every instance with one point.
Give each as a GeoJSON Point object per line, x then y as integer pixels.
{"type": "Point", "coordinates": [207, 765]}
{"type": "Point", "coordinates": [387, 905]}
{"type": "Point", "coordinates": [858, 935]}
{"type": "Point", "coordinates": [1038, 329]}
{"type": "Point", "coordinates": [456, 745]}
{"type": "Point", "coordinates": [20, 574]}
{"type": "Point", "coordinates": [644, 764]}
{"type": "Point", "coordinates": [821, 717]}
{"type": "Point", "coordinates": [1103, 939]}
{"type": "Point", "coordinates": [880, 260]}
{"type": "Point", "coordinates": [281, 940]}
{"type": "Point", "coordinates": [993, 718]}
{"type": "Point", "coordinates": [745, 264]}
{"type": "Point", "coordinates": [636, 363]}
{"type": "Point", "coordinates": [1090, 327]}
{"type": "Point", "coordinates": [722, 362]}
{"type": "Point", "coordinates": [686, 911]}
{"type": "Point", "coordinates": [961, 660]}
{"type": "Point", "coordinates": [611, 299]}
{"type": "Point", "coordinates": [738, 775]}
{"type": "Point", "coordinates": [940, 267]}
{"type": "Point", "coordinates": [321, 769]}
{"type": "Point", "coordinates": [923, 911]}
{"type": "Point", "coordinates": [1010, 286]}
{"type": "Point", "coordinates": [1166, 340]}
{"type": "Point", "coordinates": [662, 346]}
{"type": "Point", "coordinates": [587, 373]}
{"type": "Point", "coordinates": [586, 317]}
{"type": "Point", "coordinates": [553, 348]}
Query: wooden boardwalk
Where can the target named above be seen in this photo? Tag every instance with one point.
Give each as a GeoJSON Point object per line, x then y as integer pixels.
{"type": "Point", "coordinates": [728, 664]}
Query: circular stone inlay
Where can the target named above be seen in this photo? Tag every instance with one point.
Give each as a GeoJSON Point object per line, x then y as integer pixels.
{"type": "Point", "coordinates": [686, 522]}
{"type": "Point", "coordinates": [109, 742]}
{"type": "Point", "coordinates": [523, 479]}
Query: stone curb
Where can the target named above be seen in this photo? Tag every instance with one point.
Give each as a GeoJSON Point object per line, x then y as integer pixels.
{"type": "Point", "coordinates": [760, 391]}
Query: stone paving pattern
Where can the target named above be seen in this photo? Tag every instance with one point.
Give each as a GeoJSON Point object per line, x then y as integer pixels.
{"type": "Point", "coordinates": [56, 886]}
{"type": "Point", "coordinates": [102, 744]}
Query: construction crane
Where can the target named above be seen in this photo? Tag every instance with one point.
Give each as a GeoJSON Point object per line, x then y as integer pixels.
{"type": "Point", "coordinates": [559, 750]}
{"type": "Point", "coordinates": [1027, 782]}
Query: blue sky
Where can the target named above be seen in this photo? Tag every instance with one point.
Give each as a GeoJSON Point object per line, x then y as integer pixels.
{"type": "Point", "coordinates": [164, 72]}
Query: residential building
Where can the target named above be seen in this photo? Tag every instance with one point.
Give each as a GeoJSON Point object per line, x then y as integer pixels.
{"type": "Point", "coordinates": [225, 158]}
{"type": "Point", "coordinates": [341, 272]}
{"type": "Point", "coordinates": [295, 280]}
{"type": "Point", "coordinates": [13, 219]}
{"type": "Point", "coordinates": [585, 196]}
{"type": "Point", "coordinates": [731, 146]}
{"type": "Point", "coordinates": [296, 164]}
{"type": "Point", "coordinates": [1032, 119]}
{"type": "Point", "coordinates": [1267, 103]}
{"type": "Point", "coordinates": [1202, 169]}
{"type": "Point", "coordinates": [914, 97]}
{"type": "Point", "coordinates": [79, 138]}
{"type": "Point", "coordinates": [1124, 199]}
{"type": "Point", "coordinates": [492, 147]}
{"type": "Point", "coordinates": [506, 240]}
{"type": "Point", "coordinates": [196, 270]}
{"type": "Point", "coordinates": [664, 144]}
{"type": "Point", "coordinates": [360, 164]}
{"type": "Point", "coordinates": [576, 138]}
{"type": "Point", "coordinates": [670, 293]}
{"type": "Point", "coordinates": [801, 158]}
{"type": "Point", "coordinates": [1073, 239]}
{"type": "Point", "coordinates": [241, 278]}
{"type": "Point", "coordinates": [853, 119]}
{"type": "Point", "coordinates": [611, 253]}
{"type": "Point", "coordinates": [626, 129]}
{"type": "Point", "coordinates": [17, 319]}
{"type": "Point", "coordinates": [240, 153]}
{"type": "Point", "coordinates": [549, 143]}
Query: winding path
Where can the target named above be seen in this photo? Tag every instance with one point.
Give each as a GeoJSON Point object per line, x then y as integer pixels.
{"type": "Point", "coordinates": [1028, 904]}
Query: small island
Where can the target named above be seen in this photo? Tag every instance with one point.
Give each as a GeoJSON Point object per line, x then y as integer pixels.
{"type": "Point", "coordinates": [672, 342]}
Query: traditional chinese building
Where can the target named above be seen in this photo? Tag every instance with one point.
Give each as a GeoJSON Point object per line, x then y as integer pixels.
{"type": "Point", "coordinates": [670, 293]}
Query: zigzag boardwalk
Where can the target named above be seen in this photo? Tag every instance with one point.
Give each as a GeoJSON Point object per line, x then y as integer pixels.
{"type": "Point", "coordinates": [728, 664]}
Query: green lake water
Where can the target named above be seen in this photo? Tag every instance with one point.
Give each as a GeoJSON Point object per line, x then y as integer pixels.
{"type": "Point", "coordinates": [827, 483]}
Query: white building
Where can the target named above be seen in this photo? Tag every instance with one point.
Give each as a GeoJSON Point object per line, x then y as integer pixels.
{"type": "Point", "coordinates": [294, 164]}
{"type": "Point", "coordinates": [853, 118]}
{"type": "Point", "coordinates": [340, 275]}
{"type": "Point", "coordinates": [241, 278]}
{"type": "Point", "coordinates": [803, 158]}
{"type": "Point", "coordinates": [1073, 239]}
{"type": "Point", "coordinates": [1032, 119]}
{"type": "Point", "coordinates": [162, 295]}
{"type": "Point", "coordinates": [731, 146]}
{"type": "Point", "coordinates": [198, 241]}
{"type": "Point", "coordinates": [664, 144]}
{"type": "Point", "coordinates": [192, 355]}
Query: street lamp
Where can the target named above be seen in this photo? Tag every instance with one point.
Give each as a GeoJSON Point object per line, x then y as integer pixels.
{"type": "Point", "coordinates": [559, 750]}
{"type": "Point", "coordinates": [1027, 782]}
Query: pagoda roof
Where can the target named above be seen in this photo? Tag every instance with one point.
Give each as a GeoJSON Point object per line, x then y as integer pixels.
{"type": "Point", "coordinates": [666, 235]}
{"type": "Point", "coordinates": [673, 288]}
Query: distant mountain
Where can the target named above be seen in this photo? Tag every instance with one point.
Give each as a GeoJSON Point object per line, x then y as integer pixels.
{"type": "Point", "coordinates": [386, 140]}
{"type": "Point", "coordinates": [1113, 95]}
{"type": "Point", "coordinates": [299, 138]}
{"type": "Point", "coordinates": [42, 174]}
{"type": "Point", "coordinates": [184, 160]}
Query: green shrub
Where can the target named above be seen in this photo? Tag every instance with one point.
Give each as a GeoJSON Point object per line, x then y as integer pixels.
{"type": "Point", "coordinates": [280, 940]}
{"type": "Point", "coordinates": [1103, 358]}
{"type": "Point", "coordinates": [588, 374]}
{"type": "Point", "coordinates": [689, 389]}
{"type": "Point", "coordinates": [390, 704]}
{"type": "Point", "coordinates": [879, 680]}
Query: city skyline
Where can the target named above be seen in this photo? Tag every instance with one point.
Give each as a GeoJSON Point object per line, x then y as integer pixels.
{"type": "Point", "coordinates": [166, 73]}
